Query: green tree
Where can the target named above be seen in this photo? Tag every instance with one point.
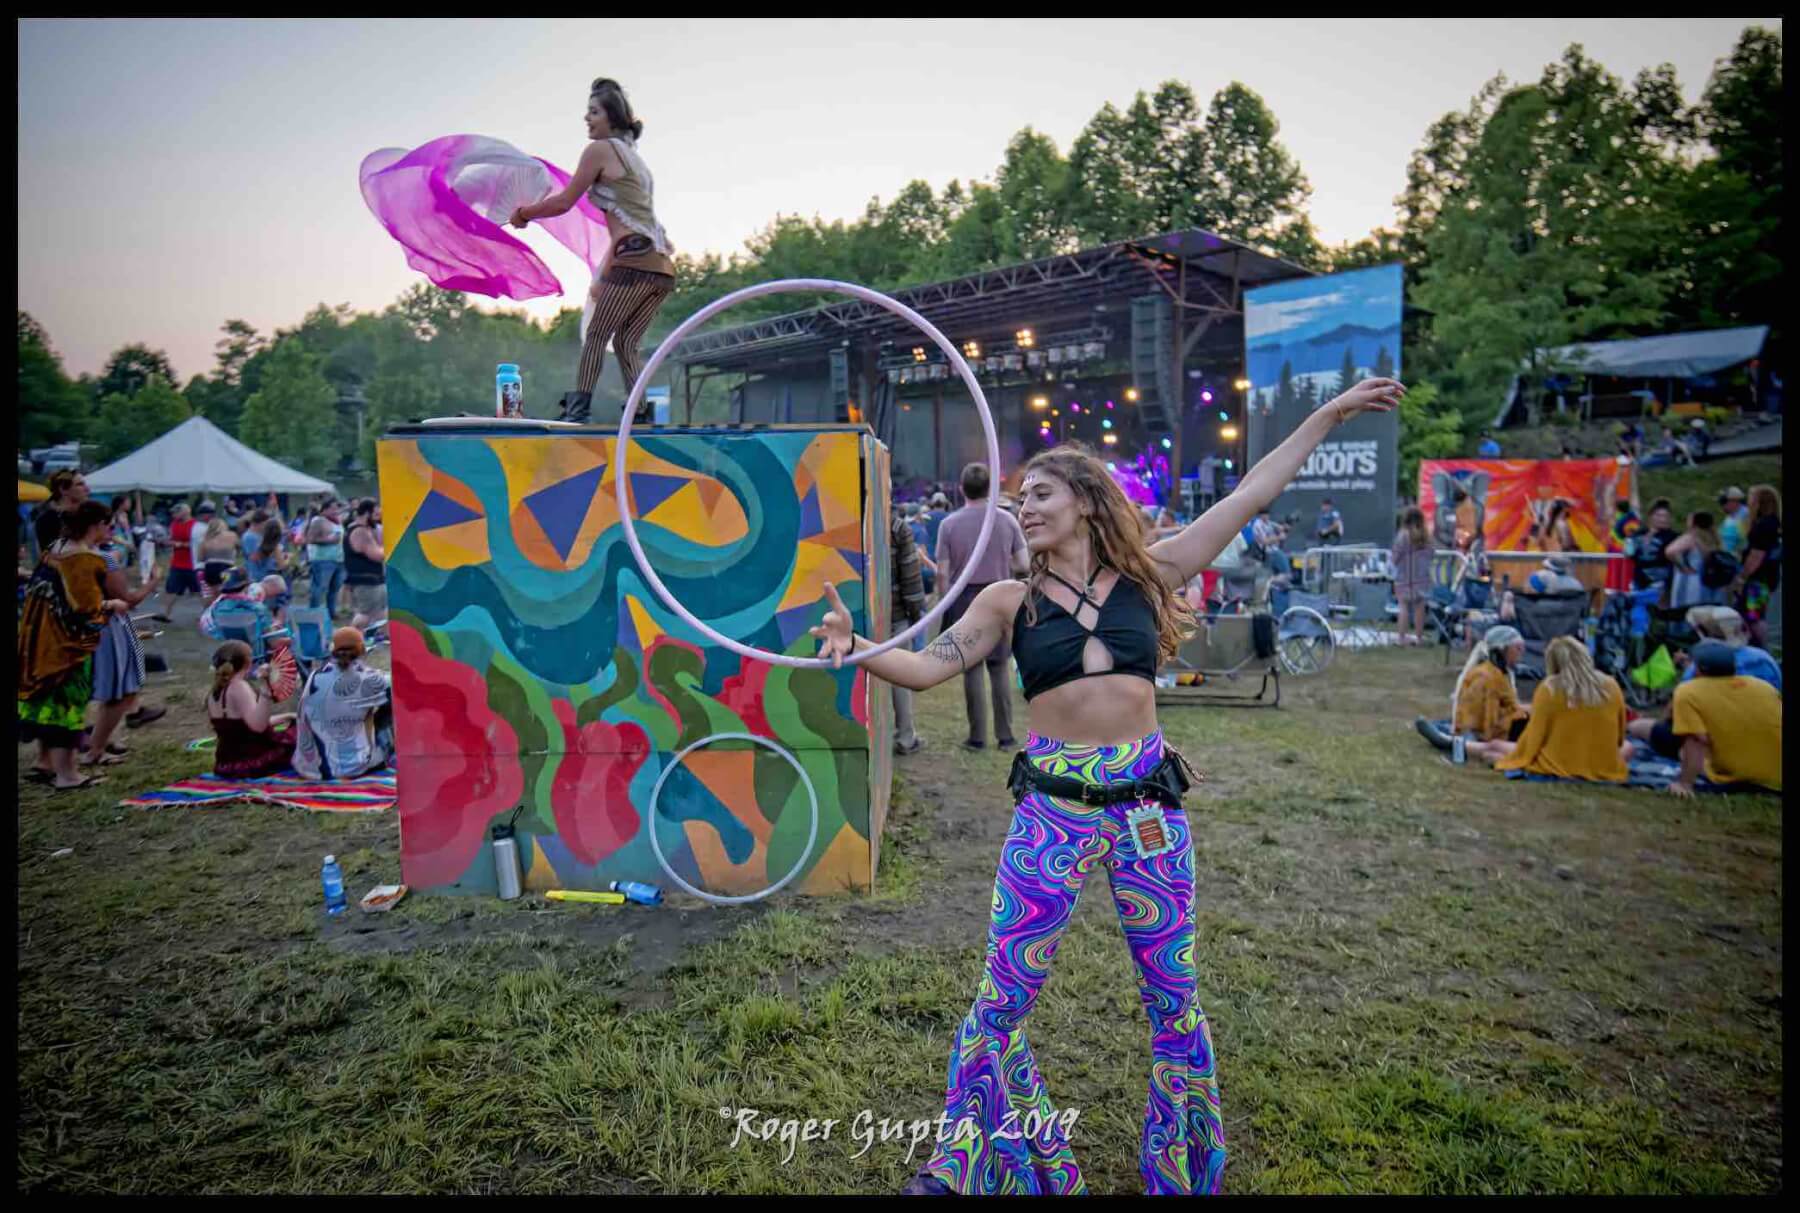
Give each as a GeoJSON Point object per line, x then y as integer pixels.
{"type": "Point", "coordinates": [1546, 240]}
{"type": "Point", "coordinates": [128, 422]}
{"type": "Point", "coordinates": [1033, 188]}
{"type": "Point", "coordinates": [1731, 202]}
{"type": "Point", "coordinates": [1384, 364]}
{"type": "Point", "coordinates": [52, 408]}
{"type": "Point", "coordinates": [1430, 428]}
{"type": "Point", "coordinates": [1284, 388]}
{"type": "Point", "coordinates": [1379, 247]}
{"type": "Point", "coordinates": [1248, 186]}
{"type": "Point", "coordinates": [129, 370]}
{"type": "Point", "coordinates": [292, 417]}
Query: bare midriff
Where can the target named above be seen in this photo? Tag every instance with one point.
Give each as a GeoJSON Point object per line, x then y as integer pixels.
{"type": "Point", "coordinates": [1097, 709]}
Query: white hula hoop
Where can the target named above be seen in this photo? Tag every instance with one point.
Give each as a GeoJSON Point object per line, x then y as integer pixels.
{"type": "Point", "coordinates": [786, 285]}
{"type": "Point", "coordinates": [812, 836]}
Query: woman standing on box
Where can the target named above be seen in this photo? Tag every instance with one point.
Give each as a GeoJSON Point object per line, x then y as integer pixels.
{"type": "Point", "coordinates": [639, 273]}
{"type": "Point", "coordinates": [1095, 788]}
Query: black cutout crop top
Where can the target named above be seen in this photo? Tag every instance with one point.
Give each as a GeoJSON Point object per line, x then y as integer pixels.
{"type": "Point", "coordinates": [1049, 652]}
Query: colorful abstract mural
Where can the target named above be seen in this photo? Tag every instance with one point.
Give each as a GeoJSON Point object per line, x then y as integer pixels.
{"type": "Point", "coordinates": [534, 669]}
{"type": "Point", "coordinates": [1500, 499]}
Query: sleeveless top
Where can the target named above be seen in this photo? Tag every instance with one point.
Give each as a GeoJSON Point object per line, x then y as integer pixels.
{"type": "Point", "coordinates": [317, 553]}
{"type": "Point", "coordinates": [1049, 653]}
{"type": "Point", "coordinates": [359, 569]}
{"type": "Point", "coordinates": [643, 245]}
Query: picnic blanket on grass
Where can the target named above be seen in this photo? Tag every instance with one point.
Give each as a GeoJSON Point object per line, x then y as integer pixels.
{"type": "Point", "coordinates": [372, 793]}
{"type": "Point", "coordinates": [1647, 768]}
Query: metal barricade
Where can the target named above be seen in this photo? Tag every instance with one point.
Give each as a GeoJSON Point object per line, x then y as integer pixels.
{"type": "Point", "coordinates": [1357, 581]}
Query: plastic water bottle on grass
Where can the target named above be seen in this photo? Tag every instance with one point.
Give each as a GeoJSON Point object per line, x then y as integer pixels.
{"type": "Point", "coordinates": [643, 894]}
{"type": "Point", "coordinates": [333, 880]}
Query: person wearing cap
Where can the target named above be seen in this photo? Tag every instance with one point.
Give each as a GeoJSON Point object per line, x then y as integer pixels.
{"type": "Point", "coordinates": [1734, 522]}
{"type": "Point", "coordinates": [185, 536]}
{"type": "Point", "coordinates": [346, 714]}
{"type": "Point", "coordinates": [325, 555]}
{"type": "Point", "coordinates": [1724, 624]}
{"type": "Point", "coordinates": [1489, 449]}
{"type": "Point", "coordinates": [1722, 724]}
{"type": "Point", "coordinates": [239, 599]}
{"type": "Point", "coordinates": [1555, 576]}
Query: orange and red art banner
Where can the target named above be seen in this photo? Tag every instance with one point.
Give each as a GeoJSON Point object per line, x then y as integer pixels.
{"type": "Point", "coordinates": [1501, 499]}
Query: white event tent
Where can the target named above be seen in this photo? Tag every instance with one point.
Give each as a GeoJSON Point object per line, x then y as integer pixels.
{"type": "Point", "coordinates": [198, 457]}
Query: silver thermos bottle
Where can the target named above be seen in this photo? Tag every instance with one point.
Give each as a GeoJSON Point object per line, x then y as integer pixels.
{"type": "Point", "coordinates": [506, 861]}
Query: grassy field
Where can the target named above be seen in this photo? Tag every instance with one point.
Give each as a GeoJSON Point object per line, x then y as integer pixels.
{"type": "Point", "coordinates": [1420, 979]}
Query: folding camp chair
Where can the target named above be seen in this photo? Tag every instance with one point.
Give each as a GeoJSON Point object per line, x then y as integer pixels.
{"type": "Point", "coordinates": [1540, 619]}
{"type": "Point", "coordinates": [1224, 649]}
{"type": "Point", "coordinates": [311, 630]}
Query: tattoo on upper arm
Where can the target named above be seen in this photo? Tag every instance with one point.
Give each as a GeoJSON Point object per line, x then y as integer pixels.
{"type": "Point", "coordinates": [949, 647]}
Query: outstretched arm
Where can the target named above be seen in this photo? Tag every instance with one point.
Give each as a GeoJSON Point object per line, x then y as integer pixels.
{"type": "Point", "coordinates": [1183, 555]}
{"type": "Point", "coordinates": [597, 157]}
{"type": "Point", "coordinates": [964, 645]}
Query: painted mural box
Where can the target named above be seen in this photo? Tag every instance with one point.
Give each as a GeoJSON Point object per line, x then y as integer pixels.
{"type": "Point", "coordinates": [535, 670]}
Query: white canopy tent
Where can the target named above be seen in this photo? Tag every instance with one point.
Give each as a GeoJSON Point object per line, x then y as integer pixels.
{"type": "Point", "coordinates": [198, 457]}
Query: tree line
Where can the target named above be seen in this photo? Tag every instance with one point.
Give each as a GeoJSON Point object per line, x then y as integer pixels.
{"type": "Point", "coordinates": [1574, 207]}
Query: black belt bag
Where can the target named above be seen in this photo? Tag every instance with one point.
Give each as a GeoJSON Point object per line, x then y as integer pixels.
{"type": "Point", "coordinates": [1166, 784]}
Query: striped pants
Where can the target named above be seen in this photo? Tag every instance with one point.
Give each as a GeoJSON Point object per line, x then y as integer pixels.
{"type": "Point", "coordinates": [625, 304]}
{"type": "Point", "coordinates": [1004, 1136]}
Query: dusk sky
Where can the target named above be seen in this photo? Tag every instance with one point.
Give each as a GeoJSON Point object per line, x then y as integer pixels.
{"type": "Point", "coordinates": [173, 174]}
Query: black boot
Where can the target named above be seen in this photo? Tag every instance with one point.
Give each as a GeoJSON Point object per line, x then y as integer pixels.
{"type": "Point", "coordinates": [575, 407]}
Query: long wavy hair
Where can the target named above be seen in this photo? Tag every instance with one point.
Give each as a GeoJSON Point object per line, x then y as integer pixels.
{"type": "Point", "coordinates": [1570, 669]}
{"type": "Point", "coordinates": [1117, 536]}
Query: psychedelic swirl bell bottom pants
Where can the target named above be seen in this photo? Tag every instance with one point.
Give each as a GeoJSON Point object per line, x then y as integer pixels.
{"type": "Point", "coordinates": [994, 1082]}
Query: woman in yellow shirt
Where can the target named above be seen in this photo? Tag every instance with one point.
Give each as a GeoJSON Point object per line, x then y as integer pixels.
{"type": "Point", "coordinates": [1486, 704]}
{"type": "Point", "coordinates": [1577, 728]}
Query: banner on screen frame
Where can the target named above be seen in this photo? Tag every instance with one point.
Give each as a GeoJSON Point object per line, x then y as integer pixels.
{"type": "Point", "coordinates": [1306, 340]}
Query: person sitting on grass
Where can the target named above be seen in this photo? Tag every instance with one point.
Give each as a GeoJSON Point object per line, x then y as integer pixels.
{"type": "Point", "coordinates": [346, 714]}
{"type": "Point", "coordinates": [1485, 707]}
{"type": "Point", "coordinates": [1722, 723]}
{"type": "Point", "coordinates": [251, 742]}
{"type": "Point", "coordinates": [1577, 725]}
{"type": "Point", "coordinates": [1724, 624]}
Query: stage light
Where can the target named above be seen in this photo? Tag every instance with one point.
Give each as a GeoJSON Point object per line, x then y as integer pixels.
{"type": "Point", "coordinates": [1040, 402]}
{"type": "Point", "coordinates": [1105, 424]}
{"type": "Point", "coordinates": [1224, 416]}
{"type": "Point", "coordinates": [1024, 338]}
{"type": "Point", "coordinates": [1167, 444]}
{"type": "Point", "coordinates": [1074, 408]}
{"type": "Point", "coordinates": [1056, 412]}
{"type": "Point", "coordinates": [1109, 439]}
{"type": "Point", "coordinates": [1131, 394]}
{"type": "Point", "coordinates": [1241, 384]}
{"type": "Point", "coordinates": [1228, 433]}
{"type": "Point", "coordinates": [1206, 396]}
{"type": "Point", "coordinates": [971, 349]}
{"type": "Point", "coordinates": [1111, 466]}
{"type": "Point", "coordinates": [1228, 465]}
{"type": "Point", "coordinates": [918, 353]}
{"type": "Point", "coordinates": [1109, 404]}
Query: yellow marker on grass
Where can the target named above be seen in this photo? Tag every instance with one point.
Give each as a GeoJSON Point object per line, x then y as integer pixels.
{"type": "Point", "coordinates": [611, 899]}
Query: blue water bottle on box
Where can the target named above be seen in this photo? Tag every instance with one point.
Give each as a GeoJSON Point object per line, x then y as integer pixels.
{"type": "Point", "coordinates": [643, 894]}
{"type": "Point", "coordinates": [333, 880]}
{"type": "Point", "coordinates": [509, 391]}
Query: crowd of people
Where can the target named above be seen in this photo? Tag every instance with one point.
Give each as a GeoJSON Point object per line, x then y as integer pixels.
{"type": "Point", "coordinates": [85, 567]}
{"type": "Point", "coordinates": [1723, 722]}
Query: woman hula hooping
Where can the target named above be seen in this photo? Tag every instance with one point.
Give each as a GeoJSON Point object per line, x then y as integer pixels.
{"type": "Point", "coordinates": [639, 273]}
{"type": "Point", "coordinates": [1094, 787]}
